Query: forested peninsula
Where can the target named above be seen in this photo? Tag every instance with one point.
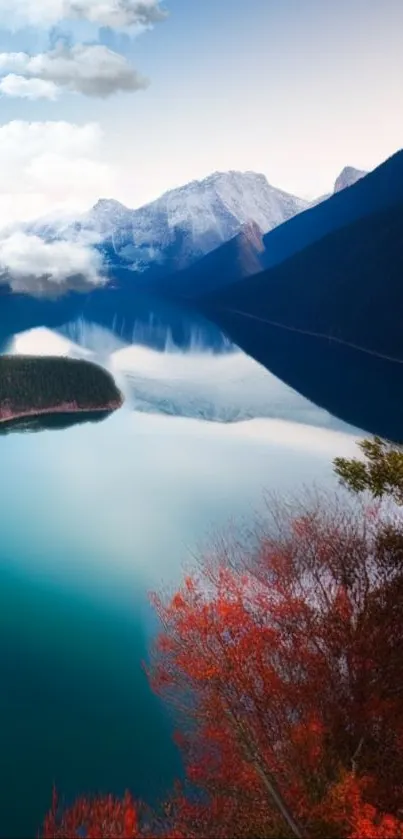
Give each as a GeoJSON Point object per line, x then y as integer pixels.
{"type": "Point", "coordinates": [36, 385]}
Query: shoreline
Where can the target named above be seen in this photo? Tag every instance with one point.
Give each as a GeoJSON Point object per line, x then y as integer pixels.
{"type": "Point", "coordinates": [64, 408]}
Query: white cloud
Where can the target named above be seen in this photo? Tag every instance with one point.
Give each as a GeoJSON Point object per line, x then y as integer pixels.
{"type": "Point", "coordinates": [22, 88]}
{"type": "Point", "coordinates": [44, 165]}
{"type": "Point", "coordinates": [50, 166]}
{"type": "Point", "coordinates": [28, 264]}
{"type": "Point", "coordinates": [93, 70]}
{"type": "Point", "coordinates": [23, 140]}
{"type": "Point", "coordinates": [117, 14]}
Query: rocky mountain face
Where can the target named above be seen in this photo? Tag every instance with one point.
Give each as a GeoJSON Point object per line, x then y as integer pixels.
{"type": "Point", "coordinates": [184, 224]}
{"type": "Point", "coordinates": [192, 238]}
{"type": "Point", "coordinates": [348, 177]}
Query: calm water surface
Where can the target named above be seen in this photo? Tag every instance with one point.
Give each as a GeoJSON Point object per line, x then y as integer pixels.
{"type": "Point", "coordinates": [92, 518]}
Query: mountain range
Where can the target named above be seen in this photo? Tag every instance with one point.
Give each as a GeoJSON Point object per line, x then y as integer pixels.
{"type": "Point", "coordinates": [248, 254]}
{"type": "Point", "coordinates": [346, 287]}
{"type": "Point", "coordinates": [182, 225]}
{"type": "Point", "coordinates": [316, 299]}
{"type": "Point", "coordinates": [170, 234]}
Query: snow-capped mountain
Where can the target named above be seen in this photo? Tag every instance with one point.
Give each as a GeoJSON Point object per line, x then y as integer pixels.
{"type": "Point", "coordinates": [184, 224]}
{"type": "Point", "coordinates": [210, 211]}
{"type": "Point", "coordinates": [348, 177]}
{"type": "Point", "coordinates": [184, 227]}
{"type": "Point", "coordinates": [106, 216]}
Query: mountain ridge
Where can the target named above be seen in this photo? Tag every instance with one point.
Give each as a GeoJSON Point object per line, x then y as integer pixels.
{"type": "Point", "coordinates": [155, 245]}
{"type": "Point", "coordinates": [380, 189]}
{"type": "Point", "coordinates": [358, 304]}
{"type": "Point", "coordinates": [183, 224]}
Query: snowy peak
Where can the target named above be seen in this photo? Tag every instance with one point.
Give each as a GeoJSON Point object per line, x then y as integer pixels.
{"type": "Point", "coordinates": [232, 178]}
{"type": "Point", "coordinates": [187, 223]}
{"type": "Point", "coordinates": [224, 201]}
{"type": "Point", "coordinates": [109, 205]}
{"type": "Point", "coordinates": [348, 177]}
{"type": "Point", "coordinates": [106, 216]}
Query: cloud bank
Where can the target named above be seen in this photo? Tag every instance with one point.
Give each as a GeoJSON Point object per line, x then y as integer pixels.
{"type": "Point", "coordinates": [52, 164]}
{"type": "Point", "coordinates": [22, 88]}
{"type": "Point", "coordinates": [46, 162]}
{"type": "Point", "coordinates": [92, 70]}
{"type": "Point", "coordinates": [30, 265]}
{"type": "Point", "coordinates": [116, 14]}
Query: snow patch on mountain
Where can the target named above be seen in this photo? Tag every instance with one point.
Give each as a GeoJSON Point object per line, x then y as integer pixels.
{"type": "Point", "coordinates": [227, 199]}
{"type": "Point", "coordinates": [194, 219]}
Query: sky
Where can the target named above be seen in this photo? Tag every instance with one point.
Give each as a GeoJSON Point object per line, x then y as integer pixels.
{"type": "Point", "coordinates": [128, 98]}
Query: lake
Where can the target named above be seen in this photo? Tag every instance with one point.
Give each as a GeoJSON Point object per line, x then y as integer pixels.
{"type": "Point", "coordinates": [96, 515]}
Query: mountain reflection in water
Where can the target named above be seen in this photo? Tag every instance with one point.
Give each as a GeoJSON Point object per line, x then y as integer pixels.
{"type": "Point", "coordinates": [51, 422]}
{"type": "Point", "coordinates": [359, 388]}
{"type": "Point", "coordinates": [95, 516]}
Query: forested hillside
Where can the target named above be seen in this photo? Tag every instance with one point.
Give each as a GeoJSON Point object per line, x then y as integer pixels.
{"type": "Point", "coordinates": [30, 385]}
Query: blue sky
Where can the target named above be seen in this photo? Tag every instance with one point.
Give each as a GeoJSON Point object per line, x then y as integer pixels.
{"type": "Point", "coordinates": [296, 89]}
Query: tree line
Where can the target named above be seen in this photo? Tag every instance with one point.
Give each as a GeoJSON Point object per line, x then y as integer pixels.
{"type": "Point", "coordinates": [29, 382]}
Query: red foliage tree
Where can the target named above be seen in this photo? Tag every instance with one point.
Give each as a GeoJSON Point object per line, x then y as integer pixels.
{"type": "Point", "coordinates": [287, 668]}
{"type": "Point", "coordinates": [99, 818]}
{"type": "Point", "coordinates": [283, 662]}
{"type": "Point", "coordinates": [349, 814]}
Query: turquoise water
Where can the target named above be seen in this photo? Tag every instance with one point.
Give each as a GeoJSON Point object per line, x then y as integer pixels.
{"type": "Point", "coordinates": [92, 518]}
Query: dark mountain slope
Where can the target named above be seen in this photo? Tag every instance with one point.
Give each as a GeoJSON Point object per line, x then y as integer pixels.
{"type": "Point", "coordinates": [241, 257]}
{"type": "Point", "coordinates": [249, 252]}
{"type": "Point", "coordinates": [348, 286]}
{"type": "Point", "coordinates": [380, 190]}
{"type": "Point", "coordinates": [300, 319]}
